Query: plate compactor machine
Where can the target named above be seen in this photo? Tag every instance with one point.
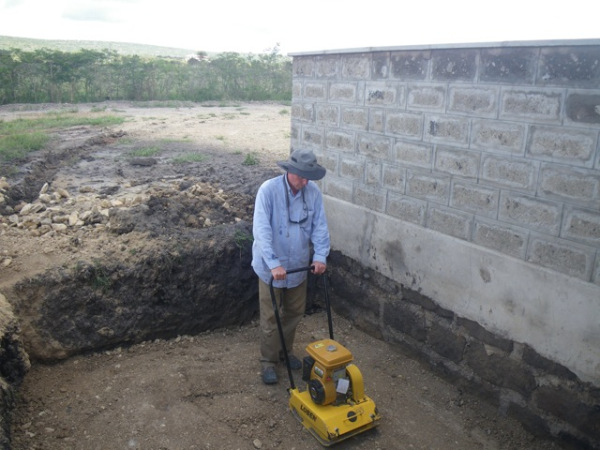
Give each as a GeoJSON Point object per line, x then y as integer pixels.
{"type": "Point", "coordinates": [333, 407]}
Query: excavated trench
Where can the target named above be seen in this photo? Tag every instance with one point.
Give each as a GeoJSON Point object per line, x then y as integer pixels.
{"type": "Point", "coordinates": [200, 281]}
{"type": "Point", "coordinates": [176, 263]}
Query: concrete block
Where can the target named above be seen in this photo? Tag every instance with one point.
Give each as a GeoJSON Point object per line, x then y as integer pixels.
{"type": "Point", "coordinates": [509, 172]}
{"type": "Point", "coordinates": [450, 222]}
{"type": "Point", "coordinates": [343, 92]}
{"type": "Point", "coordinates": [505, 239]}
{"type": "Point", "coordinates": [582, 226]}
{"type": "Point", "coordinates": [329, 161]}
{"type": "Point", "coordinates": [351, 168]}
{"type": "Point", "coordinates": [454, 65]}
{"type": "Point", "coordinates": [499, 137]}
{"type": "Point", "coordinates": [297, 89]}
{"type": "Point", "coordinates": [294, 133]}
{"type": "Point", "coordinates": [584, 107]}
{"type": "Point", "coordinates": [572, 146]}
{"type": "Point", "coordinates": [303, 112]}
{"type": "Point", "coordinates": [313, 137]}
{"type": "Point", "coordinates": [406, 208]}
{"type": "Point", "coordinates": [530, 212]}
{"type": "Point", "coordinates": [534, 105]}
{"type": "Point", "coordinates": [380, 65]}
{"type": "Point", "coordinates": [393, 177]}
{"type": "Point", "coordinates": [376, 120]}
{"type": "Point", "coordinates": [562, 256]}
{"type": "Point", "coordinates": [370, 198]}
{"type": "Point", "coordinates": [356, 66]}
{"type": "Point", "coordinates": [303, 66]}
{"type": "Point", "coordinates": [326, 66]}
{"type": "Point", "coordinates": [327, 114]}
{"type": "Point", "coordinates": [568, 183]}
{"type": "Point", "coordinates": [447, 130]}
{"type": "Point", "coordinates": [404, 124]}
{"type": "Point", "coordinates": [374, 146]}
{"type": "Point", "coordinates": [426, 97]}
{"type": "Point", "coordinates": [475, 102]}
{"type": "Point", "coordinates": [337, 187]}
{"type": "Point", "coordinates": [384, 94]}
{"type": "Point", "coordinates": [315, 91]}
{"type": "Point", "coordinates": [339, 140]}
{"type": "Point", "coordinates": [569, 66]}
{"type": "Point", "coordinates": [354, 117]}
{"type": "Point", "coordinates": [373, 173]}
{"type": "Point", "coordinates": [457, 162]}
{"type": "Point", "coordinates": [410, 153]}
{"type": "Point", "coordinates": [475, 198]}
{"type": "Point", "coordinates": [410, 65]}
{"type": "Point", "coordinates": [428, 187]}
{"type": "Point", "coordinates": [508, 65]}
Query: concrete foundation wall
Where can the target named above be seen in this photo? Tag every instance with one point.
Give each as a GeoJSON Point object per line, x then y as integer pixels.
{"type": "Point", "coordinates": [470, 175]}
{"type": "Point", "coordinates": [555, 314]}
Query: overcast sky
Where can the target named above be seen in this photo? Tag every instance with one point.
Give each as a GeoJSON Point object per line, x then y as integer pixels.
{"type": "Point", "coordinates": [306, 25]}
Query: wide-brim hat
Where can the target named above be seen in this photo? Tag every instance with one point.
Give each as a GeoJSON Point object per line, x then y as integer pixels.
{"type": "Point", "coordinates": [303, 163]}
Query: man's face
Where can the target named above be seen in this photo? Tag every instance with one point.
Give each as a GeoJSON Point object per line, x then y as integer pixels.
{"type": "Point", "coordinates": [296, 181]}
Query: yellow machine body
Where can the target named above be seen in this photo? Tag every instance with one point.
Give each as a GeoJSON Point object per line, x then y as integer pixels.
{"type": "Point", "coordinates": [334, 407]}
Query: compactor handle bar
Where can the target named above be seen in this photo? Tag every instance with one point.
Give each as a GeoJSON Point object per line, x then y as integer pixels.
{"type": "Point", "coordinates": [279, 326]}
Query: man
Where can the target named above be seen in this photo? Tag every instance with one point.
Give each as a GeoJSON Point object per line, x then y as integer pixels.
{"type": "Point", "coordinates": [288, 217]}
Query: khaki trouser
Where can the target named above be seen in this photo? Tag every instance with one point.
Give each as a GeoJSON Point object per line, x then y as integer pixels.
{"type": "Point", "coordinates": [291, 310]}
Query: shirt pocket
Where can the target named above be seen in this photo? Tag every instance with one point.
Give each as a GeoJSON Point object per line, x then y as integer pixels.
{"type": "Point", "coordinates": [307, 226]}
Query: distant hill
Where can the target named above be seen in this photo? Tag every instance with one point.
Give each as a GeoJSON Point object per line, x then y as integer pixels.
{"type": "Point", "coordinates": [123, 48]}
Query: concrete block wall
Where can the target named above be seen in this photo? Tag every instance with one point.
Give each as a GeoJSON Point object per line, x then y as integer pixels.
{"type": "Point", "coordinates": [496, 145]}
{"type": "Point", "coordinates": [469, 174]}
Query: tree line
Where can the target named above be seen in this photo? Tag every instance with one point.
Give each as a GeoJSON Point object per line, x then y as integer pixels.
{"type": "Point", "coordinates": [54, 76]}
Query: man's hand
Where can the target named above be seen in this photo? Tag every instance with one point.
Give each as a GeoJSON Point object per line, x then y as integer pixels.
{"type": "Point", "coordinates": [319, 268]}
{"type": "Point", "coordinates": [278, 273]}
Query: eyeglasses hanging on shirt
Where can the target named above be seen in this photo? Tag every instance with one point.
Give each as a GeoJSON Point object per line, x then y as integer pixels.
{"type": "Point", "coordinates": [287, 202]}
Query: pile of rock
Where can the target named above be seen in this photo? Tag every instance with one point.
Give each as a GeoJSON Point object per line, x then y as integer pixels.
{"type": "Point", "coordinates": [58, 212]}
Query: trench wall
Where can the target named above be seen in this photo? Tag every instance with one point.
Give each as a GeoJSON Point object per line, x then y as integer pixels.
{"type": "Point", "coordinates": [470, 176]}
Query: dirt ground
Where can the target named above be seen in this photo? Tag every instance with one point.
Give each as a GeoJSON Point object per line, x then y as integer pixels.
{"type": "Point", "coordinates": [204, 391]}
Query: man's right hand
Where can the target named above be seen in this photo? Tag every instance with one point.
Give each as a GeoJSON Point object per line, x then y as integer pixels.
{"type": "Point", "coordinates": [278, 273]}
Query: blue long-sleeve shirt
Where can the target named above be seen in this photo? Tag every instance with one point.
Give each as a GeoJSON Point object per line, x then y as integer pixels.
{"type": "Point", "coordinates": [280, 242]}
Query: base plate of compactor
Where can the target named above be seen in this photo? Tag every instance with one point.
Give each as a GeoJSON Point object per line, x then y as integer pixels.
{"type": "Point", "coordinates": [331, 424]}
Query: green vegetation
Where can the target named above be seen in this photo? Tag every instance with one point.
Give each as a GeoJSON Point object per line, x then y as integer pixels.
{"type": "Point", "coordinates": [100, 279]}
{"type": "Point", "coordinates": [242, 239]}
{"type": "Point", "coordinates": [21, 136]}
{"type": "Point", "coordinates": [189, 158]}
{"type": "Point", "coordinates": [145, 152]}
{"type": "Point", "coordinates": [251, 160]}
{"type": "Point", "coordinates": [55, 120]}
{"type": "Point", "coordinates": [16, 146]}
{"type": "Point", "coordinates": [44, 75]}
